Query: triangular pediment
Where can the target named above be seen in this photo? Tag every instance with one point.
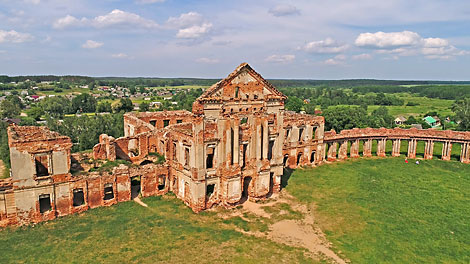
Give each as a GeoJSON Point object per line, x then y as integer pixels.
{"type": "Point", "coordinates": [243, 83]}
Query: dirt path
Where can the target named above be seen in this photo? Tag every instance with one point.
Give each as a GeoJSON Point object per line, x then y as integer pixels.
{"type": "Point", "coordinates": [137, 200]}
{"type": "Point", "coordinates": [298, 233]}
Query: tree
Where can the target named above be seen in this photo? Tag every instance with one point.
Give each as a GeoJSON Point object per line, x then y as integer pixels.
{"type": "Point", "coordinates": [9, 109]}
{"type": "Point", "coordinates": [344, 117]}
{"type": "Point", "coordinates": [381, 118]}
{"type": "Point", "coordinates": [294, 104]}
{"type": "Point", "coordinates": [84, 103]}
{"type": "Point", "coordinates": [310, 108]}
{"type": "Point", "coordinates": [461, 109]}
{"type": "Point", "coordinates": [144, 106]}
{"type": "Point", "coordinates": [35, 112]}
{"type": "Point", "coordinates": [103, 106]}
{"type": "Point", "coordinates": [124, 105]}
{"type": "Point", "coordinates": [411, 120]}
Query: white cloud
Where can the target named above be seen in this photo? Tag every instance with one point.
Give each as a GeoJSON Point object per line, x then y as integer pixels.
{"type": "Point", "coordinates": [194, 32]}
{"type": "Point", "coordinates": [337, 60]}
{"type": "Point", "coordinates": [280, 58]}
{"type": "Point", "coordinates": [208, 60]}
{"type": "Point", "coordinates": [114, 18]}
{"type": "Point", "coordinates": [14, 36]}
{"type": "Point", "coordinates": [185, 20]}
{"type": "Point", "coordinates": [327, 46]}
{"type": "Point", "coordinates": [190, 25]}
{"type": "Point", "coordinates": [120, 56]}
{"type": "Point", "coordinates": [91, 44]}
{"type": "Point", "coordinates": [387, 40]}
{"type": "Point", "coordinates": [363, 56]}
{"type": "Point", "coordinates": [284, 10]}
{"type": "Point", "coordinates": [34, 2]}
{"type": "Point", "coordinates": [408, 43]}
{"type": "Point", "coordinates": [69, 21]}
{"type": "Point", "coordinates": [149, 1]}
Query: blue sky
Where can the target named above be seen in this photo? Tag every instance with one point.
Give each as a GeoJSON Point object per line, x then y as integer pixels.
{"type": "Point", "coordinates": [393, 39]}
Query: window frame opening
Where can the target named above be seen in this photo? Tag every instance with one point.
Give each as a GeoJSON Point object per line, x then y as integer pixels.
{"type": "Point", "coordinates": [108, 191]}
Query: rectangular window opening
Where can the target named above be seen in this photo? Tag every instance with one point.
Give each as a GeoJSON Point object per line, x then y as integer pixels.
{"type": "Point", "coordinates": [45, 203]}
{"type": "Point", "coordinates": [108, 191]}
{"type": "Point", "coordinates": [270, 149]}
{"type": "Point", "coordinates": [179, 121]}
{"type": "Point", "coordinates": [161, 182]}
{"type": "Point", "coordinates": [210, 158]}
{"type": "Point", "coordinates": [186, 156]}
{"type": "Point", "coordinates": [210, 190]}
{"type": "Point", "coordinates": [42, 165]}
{"type": "Point", "coordinates": [153, 123]}
{"type": "Point", "coordinates": [78, 197]}
{"type": "Point", "coordinates": [166, 122]}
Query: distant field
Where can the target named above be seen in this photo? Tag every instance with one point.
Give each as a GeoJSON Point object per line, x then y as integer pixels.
{"type": "Point", "coordinates": [387, 211]}
{"type": "Point", "coordinates": [426, 105]}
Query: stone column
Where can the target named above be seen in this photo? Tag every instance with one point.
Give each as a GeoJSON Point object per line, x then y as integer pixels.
{"type": "Point", "coordinates": [396, 148]}
{"type": "Point", "coordinates": [428, 149]}
{"type": "Point", "coordinates": [236, 142]}
{"type": "Point", "coordinates": [343, 150]}
{"type": "Point", "coordinates": [367, 148]}
{"type": "Point", "coordinates": [381, 143]}
{"type": "Point", "coordinates": [446, 150]}
{"type": "Point", "coordinates": [332, 151]}
{"type": "Point", "coordinates": [465, 153]}
{"type": "Point", "coordinates": [265, 142]}
{"type": "Point", "coordinates": [412, 149]}
{"type": "Point", "coordinates": [354, 152]}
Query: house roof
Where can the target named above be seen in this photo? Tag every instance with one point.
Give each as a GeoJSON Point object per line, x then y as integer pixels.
{"type": "Point", "coordinates": [400, 118]}
{"type": "Point", "coordinates": [430, 119]}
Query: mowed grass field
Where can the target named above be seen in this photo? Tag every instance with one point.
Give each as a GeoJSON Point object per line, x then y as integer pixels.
{"type": "Point", "coordinates": [165, 232]}
{"type": "Point", "coordinates": [386, 211]}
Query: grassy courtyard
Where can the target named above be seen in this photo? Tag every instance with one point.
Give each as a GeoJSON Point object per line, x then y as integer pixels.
{"type": "Point", "coordinates": [165, 232]}
{"type": "Point", "coordinates": [383, 210]}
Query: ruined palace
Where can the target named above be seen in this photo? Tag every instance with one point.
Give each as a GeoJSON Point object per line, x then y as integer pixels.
{"type": "Point", "coordinates": [233, 146]}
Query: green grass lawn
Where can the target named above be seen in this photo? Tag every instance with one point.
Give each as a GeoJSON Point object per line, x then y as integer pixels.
{"type": "Point", "coordinates": [165, 232]}
{"type": "Point", "coordinates": [387, 211]}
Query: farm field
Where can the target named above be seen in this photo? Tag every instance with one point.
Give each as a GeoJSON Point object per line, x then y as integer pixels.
{"type": "Point", "coordinates": [387, 211]}
{"type": "Point", "coordinates": [425, 105]}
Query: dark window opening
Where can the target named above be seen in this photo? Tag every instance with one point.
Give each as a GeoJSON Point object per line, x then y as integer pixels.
{"type": "Point", "coordinates": [301, 131]}
{"type": "Point", "coordinates": [270, 122]}
{"type": "Point", "coordinates": [245, 146]}
{"type": "Point", "coordinates": [153, 123]}
{"type": "Point", "coordinates": [271, 183]}
{"type": "Point", "coordinates": [246, 186]}
{"type": "Point", "coordinates": [210, 158]}
{"type": "Point", "coordinates": [255, 96]}
{"type": "Point", "coordinates": [312, 157]}
{"type": "Point", "coordinates": [236, 91]}
{"type": "Point", "coordinates": [186, 156]}
{"type": "Point", "coordinates": [299, 156]}
{"type": "Point", "coordinates": [145, 162]}
{"type": "Point", "coordinates": [174, 151]}
{"type": "Point", "coordinates": [42, 165]}
{"type": "Point", "coordinates": [161, 182]}
{"type": "Point", "coordinates": [314, 132]}
{"type": "Point", "coordinates": [210, 190]}
{"type": "Point", "coordinates": [135, 186]}
{"type": "Point", "coordinates": [270, 149]}
{"type": "Point", "coordinates": [244, 120]}
{"type": "Point", "coordinates": [108, 191]}
{"type": "Point", "coordinates": [44, 203]}
{"type": "Point", "coordinates": [287, 133]}
{"type": "Point", "coordinates": [166, 122]}
{"type": "Point", "coordinates": [78, 197]}
{"type": "Point", "coordinates": [179, 121]}
{"type": "Point", "coordinates": [286, 157]}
